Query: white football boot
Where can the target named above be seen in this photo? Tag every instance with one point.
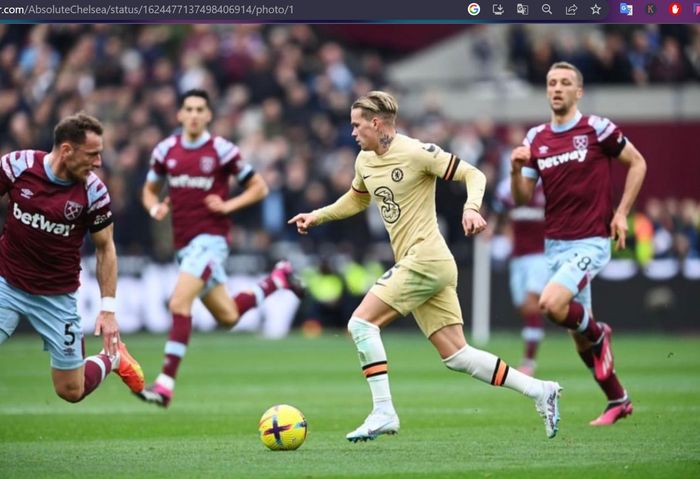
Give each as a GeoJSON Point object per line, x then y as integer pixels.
{"type": "Point", "coordinates": [547, 406]}
{"type": "Point", "coordinates": [376, 424]}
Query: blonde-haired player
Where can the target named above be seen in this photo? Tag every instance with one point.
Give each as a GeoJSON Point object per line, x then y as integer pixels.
{"type": "Point", "coordinates": [399, 173]}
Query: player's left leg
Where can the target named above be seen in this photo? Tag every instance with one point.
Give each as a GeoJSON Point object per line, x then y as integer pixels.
{"type": "Point", "coordinates": [55, 318]}
{"type": "Point", "coordinates": [364, 327]}
{"type": "Point", "coordinates": [534, 274]}
{"type": "Point", "coordinates": [619, 404]}
{"type": "Point", "coordinates": [282, 276]}
{"type": "Point", "coordinates": [532, 333]}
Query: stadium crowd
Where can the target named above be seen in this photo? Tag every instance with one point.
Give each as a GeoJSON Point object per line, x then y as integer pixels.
{"type": "Point", "coordinates": [283, 93]}
{"type": "Point", "coordinates": [614, 54]}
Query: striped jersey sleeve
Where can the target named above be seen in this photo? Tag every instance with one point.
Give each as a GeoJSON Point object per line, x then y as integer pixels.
{"type": "Point", "coordinates": [531, 170]}
{"type": "Point", "coordinates": [98, 205]}
{"type": "Point", "coordinates": [12, 165]}
{"type": "Point", "coordinates": [608, 134]}
{"type": "Point", "coordinates": [157, 169]}
{"type": "Point", "coordinates": [230, 157]}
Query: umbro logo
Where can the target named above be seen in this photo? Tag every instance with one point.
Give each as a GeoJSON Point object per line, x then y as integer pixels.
{"type": "Point", "coordinates": [544, 149]}
{"type": "Point", "coordinates": [27, 193]}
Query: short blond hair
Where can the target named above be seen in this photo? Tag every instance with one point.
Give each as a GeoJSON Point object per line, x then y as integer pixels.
{"type": "Point", "coordinates": [378, 103]}
{"type": "Point", "coordinates": [568, 66]}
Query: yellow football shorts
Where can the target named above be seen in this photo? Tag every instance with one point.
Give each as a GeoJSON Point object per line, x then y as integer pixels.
{"type": "Point", "coordinates": [431, 294]}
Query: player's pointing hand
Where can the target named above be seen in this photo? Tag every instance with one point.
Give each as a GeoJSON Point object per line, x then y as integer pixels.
{"type": "Point", "coordinates": [304, 221]}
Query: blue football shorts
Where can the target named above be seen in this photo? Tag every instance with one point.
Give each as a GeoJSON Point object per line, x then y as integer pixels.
{"type": "Point", "coordinates": [528, 274]}
{"type": "Point", "coordinates": [204, 258]}
{"type": "Point", "coordinates": [574, 264]}
{"type": "Point", "coordinates": [54, 317]}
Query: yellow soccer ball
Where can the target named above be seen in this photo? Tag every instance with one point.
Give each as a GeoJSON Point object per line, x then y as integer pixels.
{"type": "Point", "coordinates": [282, 428]}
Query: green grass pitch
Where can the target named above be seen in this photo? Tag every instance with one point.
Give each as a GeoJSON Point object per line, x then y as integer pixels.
{"type": "Point", "coordinates": [451, 425]}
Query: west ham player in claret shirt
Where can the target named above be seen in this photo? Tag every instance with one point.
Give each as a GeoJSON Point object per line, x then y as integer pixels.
{"type": "Point", "coordinates": [196, 167]}
{"type": "Point", "coordinates": [572, 155]}
{"type": "Point", "coordinates": [55, 198]}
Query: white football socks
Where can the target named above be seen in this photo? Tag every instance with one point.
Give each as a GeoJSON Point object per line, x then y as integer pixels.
{"type": "Point", "coordinates": [491, 369]}
{"type": "Point", "coordinates": [370, 349]}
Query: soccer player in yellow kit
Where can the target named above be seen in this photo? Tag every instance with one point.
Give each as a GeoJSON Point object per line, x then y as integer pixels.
{"type": "Point", "coordinates": [398, 173]}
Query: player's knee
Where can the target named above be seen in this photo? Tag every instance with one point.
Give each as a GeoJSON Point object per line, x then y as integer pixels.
{"type": "Point", "coordinates": [227, 320]}
{"type": "Point", "coordinates": [177, 305]}
{"type": "Point", "coordinates": [552, 308]}
{"type": "Point", "coordinates": [530, 305]}
{"type": "Point", "coordinates": [70, 392]}
{"type": "Point", "coordinates": [360, 329]}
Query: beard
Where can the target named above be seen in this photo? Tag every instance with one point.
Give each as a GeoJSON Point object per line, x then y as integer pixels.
{"type": "Point", "coordinates": [562, 109]}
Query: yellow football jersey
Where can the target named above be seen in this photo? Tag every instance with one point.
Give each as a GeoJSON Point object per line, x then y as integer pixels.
{"type": "Point", "coordinates": [402, 184]}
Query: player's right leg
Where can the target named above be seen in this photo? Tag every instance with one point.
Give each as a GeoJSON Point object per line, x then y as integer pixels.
{"type": "Point", "coordinates": [566, 298]}
{"type": "Point", "coordinates": [364, 327]}
{"type": "Point", "coordinates": [458, 356]}
{"type": "Point", "coordinates": [187, 288]}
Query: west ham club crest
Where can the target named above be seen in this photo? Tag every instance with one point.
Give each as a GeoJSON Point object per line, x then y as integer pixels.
{"type": "Point", "coordinates": [72, 210]}
{"type": "Point", "coordinates": [581, 142]}
{"type": "Point", "coordinates": [207, 164]}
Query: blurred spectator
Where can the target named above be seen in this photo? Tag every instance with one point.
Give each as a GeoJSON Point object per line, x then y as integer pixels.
{"type": "Point", "coordinates": [662, 224]}
{"type": "Point", "coordinates": [359, 275]}
{"type": "Point", "coordinates": [325, 288]}
{"type": "Point", "coordinates": [668, 65]}
{"type": "Point", "coordinates": [687, 236]}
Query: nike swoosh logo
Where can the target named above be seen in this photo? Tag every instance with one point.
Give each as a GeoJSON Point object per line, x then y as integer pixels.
{"type": "Point", "coordinates": [365, 177]}
{"type": "Point", "coordinates": [372, 432]}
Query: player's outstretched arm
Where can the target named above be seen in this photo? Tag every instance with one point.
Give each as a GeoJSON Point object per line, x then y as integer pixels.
{"type": "Point", "coordinates": [255, 189]}
{"type": "Point", "coordinates": [151, 202]}
{"type": "Point", "coordinates": [106, 271]}
{"type": "Point", "coordinates": [522, 188]}
{"type": "Point", "coordinates": [637, 165]}
{"type": "Point", "coordinates": [351, 203]}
